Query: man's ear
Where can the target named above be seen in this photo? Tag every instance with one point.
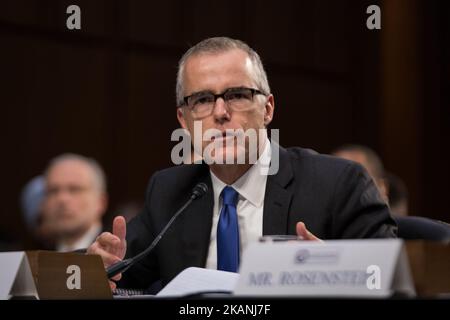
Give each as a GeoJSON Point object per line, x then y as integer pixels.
{"type": "Point", "coordinates": [181, 119]}
{"type": "Point", "coordinates": [269, 110]}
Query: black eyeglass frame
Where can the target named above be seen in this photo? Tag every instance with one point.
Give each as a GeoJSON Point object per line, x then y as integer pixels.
{"type": "Point", "coordinates": [220, 95]}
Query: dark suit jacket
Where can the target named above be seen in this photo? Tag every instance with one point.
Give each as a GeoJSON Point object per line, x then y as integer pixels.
{"type": "Point", "coordinates": [335, 198]}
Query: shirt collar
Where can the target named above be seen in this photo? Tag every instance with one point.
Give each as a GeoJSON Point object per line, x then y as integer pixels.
{"type": "Point", "coordinates": [245, 185]}
{"type": "Point", "coordinates": [82, 243]}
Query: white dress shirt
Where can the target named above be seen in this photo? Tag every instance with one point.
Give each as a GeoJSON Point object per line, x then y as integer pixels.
{"type": "Point", "coordinates": [83, 242]}
{"type": "Point", "coordinates": [251, 188]}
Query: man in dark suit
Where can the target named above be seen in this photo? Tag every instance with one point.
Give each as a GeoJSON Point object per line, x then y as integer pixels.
{"type": "Point", "coordinates": [222, 85]}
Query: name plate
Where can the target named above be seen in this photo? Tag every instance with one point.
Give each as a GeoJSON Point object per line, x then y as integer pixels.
{"type": "Point", "coordinates": [338, 268]}
{"type": "Point", "coordinates": [52, 275]}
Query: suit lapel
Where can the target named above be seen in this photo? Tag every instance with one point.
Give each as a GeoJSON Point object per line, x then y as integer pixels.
{"type": "Point", "coordinates": [278, 198]}
{"type": "Point", "coordinates": [197, 223]}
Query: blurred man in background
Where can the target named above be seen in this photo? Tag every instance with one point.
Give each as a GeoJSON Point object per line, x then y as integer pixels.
{"type": "Point", "coordinates": [75, 201]}
{"type": "Point", "coordinates": [394, 191]}
{"type": "Point", "coordinates": [369, 160]}
{"type": "Point", "coordinates": [392, 188]}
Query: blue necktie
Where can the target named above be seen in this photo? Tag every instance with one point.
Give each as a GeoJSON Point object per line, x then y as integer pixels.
{"type": "Point", "coordinates": [228, 232]}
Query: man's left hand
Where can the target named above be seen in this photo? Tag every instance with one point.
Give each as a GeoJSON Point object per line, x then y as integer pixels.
{"type": "Point", "coordinates": [304, 233]}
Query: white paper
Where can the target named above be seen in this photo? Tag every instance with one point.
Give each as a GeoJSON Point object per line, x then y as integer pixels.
{"type": "Point", "coordinates": [9, 266]}
{"type": "Point", "coordinates": [24, 285]}
{"type": "Point", "coordinates": [198, 280]}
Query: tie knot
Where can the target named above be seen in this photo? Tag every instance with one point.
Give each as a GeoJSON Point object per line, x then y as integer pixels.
{"type": "Point", "coordinates": [229, 196]}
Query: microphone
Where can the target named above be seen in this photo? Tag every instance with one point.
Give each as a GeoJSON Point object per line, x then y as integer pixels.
{"type": "Point", "coordinates": [198, 191]}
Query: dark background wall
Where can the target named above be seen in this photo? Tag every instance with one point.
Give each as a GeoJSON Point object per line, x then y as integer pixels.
{"type": "Point", "coordinates": [107, 91]}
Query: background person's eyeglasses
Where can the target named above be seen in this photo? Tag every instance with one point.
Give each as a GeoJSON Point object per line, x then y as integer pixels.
{"type": "Point", "coordinates": [201, 104]}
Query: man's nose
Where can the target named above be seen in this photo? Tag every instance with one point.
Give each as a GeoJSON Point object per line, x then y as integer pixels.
{"type": "Point", "coordinates": [220, 111]}
{"type": "Point", "coordinates": [63, 195]}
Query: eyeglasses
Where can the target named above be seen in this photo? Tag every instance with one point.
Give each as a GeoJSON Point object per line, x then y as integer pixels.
{"type": "Point", "coordinates": [201, 104]}
{"type": "Point", "coordinates": [73, 190]}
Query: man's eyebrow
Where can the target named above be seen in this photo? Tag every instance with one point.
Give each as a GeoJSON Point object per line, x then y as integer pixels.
{"type": "Point", "coordinates": [236, 88]}
{"type": "Point", "coordinates": [210, 91]}
{"type": "Point", "coordinates": [200, 92]}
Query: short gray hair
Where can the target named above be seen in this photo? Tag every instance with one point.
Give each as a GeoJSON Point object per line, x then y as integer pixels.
{"type": "Point", "coordinates": [219, 45]}
{"type": "Point", "coordinates": [99, 174]}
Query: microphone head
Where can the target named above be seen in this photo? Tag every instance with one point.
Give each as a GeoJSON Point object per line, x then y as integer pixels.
{"type": "Point", "coordinates": [199, 190]}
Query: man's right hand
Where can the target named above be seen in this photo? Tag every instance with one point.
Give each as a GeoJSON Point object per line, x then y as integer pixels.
{"type": "Point", "coordinates": [111, 246]}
